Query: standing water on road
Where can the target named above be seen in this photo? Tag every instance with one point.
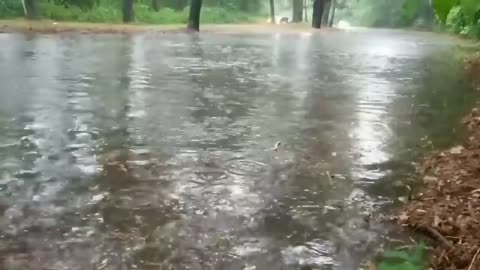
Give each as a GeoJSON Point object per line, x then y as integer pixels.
{"type": "Point", "coordinates": [155, 151]}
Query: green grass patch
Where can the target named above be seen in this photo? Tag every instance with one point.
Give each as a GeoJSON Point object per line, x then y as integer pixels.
{"type": "Point", "coordinates": [110, 13]}
{"type": "Point", "coordinates": [399, 259]}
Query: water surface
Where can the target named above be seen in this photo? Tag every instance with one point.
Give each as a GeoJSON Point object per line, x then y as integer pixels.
{"type": "Point", "coordinates": [155, 151]}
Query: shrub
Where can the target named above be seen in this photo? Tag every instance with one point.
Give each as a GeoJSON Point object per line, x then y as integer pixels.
{"type": "Point", "coordinates": [11, 8]}
{"type": "Point", "coordinates": [456, 20]}
{"type": "Point", "coordinates": [144, 14]}
{"type": "Point", "coordinates": [109, 11]}
{"type": "Point", "coordinates": [56, 12]}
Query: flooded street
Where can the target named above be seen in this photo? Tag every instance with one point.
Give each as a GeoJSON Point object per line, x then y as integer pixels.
{"type": "Point", "coordinates": [157, 151]}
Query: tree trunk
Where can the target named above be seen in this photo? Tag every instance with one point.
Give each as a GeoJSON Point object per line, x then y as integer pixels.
{"type": "Point", "coordinates": [318, 6]}
{"type": "Point", "coordinates": [297, 15]}
{"type": "Point", "coordinates": [326, 12]}
{"type": "Point", "coordinates": [305, 10]}
{"type": "Point", "coordinates": [244, 6]}
{"type": "Point", "coordinates": [272, 11]}
{"type": "Point", "coordinates": [194, 17]}
{"type": "Point", "coordinates": [31, 8]}
{"type": "Point", "coordinates": [427, 12]}
{"type": "Point", "coordinates": [155, 6]}
{"type": "Point", "coordinates": [24, 8]}
{"type": "Point", "coordinates": [127, 11]}
{"type": "Point", "coordinates": [332, 16]}
{"type": "Point", "coordinates": [180, 4]}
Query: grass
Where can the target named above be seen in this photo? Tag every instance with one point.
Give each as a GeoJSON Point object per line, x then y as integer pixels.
{"type": "Point", "coordinates": [398, 259]}
{"type": "Point", "coordinates": [108, 13]}
{"type": "Point", "coordinates": [106, 19]}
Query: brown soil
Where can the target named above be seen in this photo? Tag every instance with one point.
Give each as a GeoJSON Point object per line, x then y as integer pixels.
{"type": "Point", "coordinates": [472, 66]}
{"type": "Point", "coordinates": [448, 210]}
{"type": "Point", "coordinates": [47, 26]}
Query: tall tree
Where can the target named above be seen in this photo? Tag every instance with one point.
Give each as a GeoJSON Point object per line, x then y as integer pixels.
{"type": "Point", "coordinates": [31, 9]}
{"type": "Point", "coordinates": [180, 4]}
{"type": "Point", "coordinates": [244, 5]}
{"type": "Point", "coordinates": [318, 7]}
{"type": "Point", "coordinates": [326, 12]}
{"type": "Point", "coordinates": [194, 17]}
{"type": "Point", "coordinates": [155, 6]}
{"type": "Point", "coordinates": [127, 11]}
{"type": "Point", "coordinates": [272, 11]}
{"type": "Point", "coordinates": [297, 15]}
{"type": "Point", "coordinates": [305, 10]}
{"type": "Point", "coordinates": [332, 13]}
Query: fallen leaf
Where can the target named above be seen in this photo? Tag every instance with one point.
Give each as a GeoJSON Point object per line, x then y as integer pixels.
{"type": "Point", "coordinates": [403, 199]}
{"type": "Point", "coordinates": [430, 179]}
{"type": "Point", "coordinates": [98, 197]}
{"type": "Point", "coordinates": [398, 183]}
{"type": "Point", "coordinates": [403, 217]}
{"type": "Point", "coordinates": [456, 150]}
{"type": "Point", "coordinates": [436, 221]}
{"type": "Point", "coordinates": [371, 266]}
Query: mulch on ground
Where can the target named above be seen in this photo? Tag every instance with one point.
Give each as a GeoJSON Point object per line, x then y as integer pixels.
{"type": "Point", "coordinates": [448, 209]}
{"type": "Point", "coordinates": [472, 67]}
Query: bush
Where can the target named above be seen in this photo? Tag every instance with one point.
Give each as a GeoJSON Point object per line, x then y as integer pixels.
{"type": "Point", "coordinates": [221, 15]}
{"type": "Point", "coordinates": [56, 12]}
{"type": "Point", "coordinates": [83, 4]}
{"type": "Point", "coordinates": [144, 14]}
{"type": "Point", "coordinates": [472, 30]}
{"type": "Point", "coordinates": [101, 14]}
{"type": "Point", "coordinates": [455, 20]}
{"type": "Point", "coordinates": [109, 11]}
{"type": "Point", "coordinates": [404, 260]}
{"type": "Point", "coordinates": [11, 9]}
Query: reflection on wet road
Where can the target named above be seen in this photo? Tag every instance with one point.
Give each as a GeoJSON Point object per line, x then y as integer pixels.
{"type": "Point", "coordinates": [155, 151]}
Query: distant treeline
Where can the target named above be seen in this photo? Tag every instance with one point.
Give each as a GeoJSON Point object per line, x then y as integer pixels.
{"type": "Point", "coordinates": [144, 11]}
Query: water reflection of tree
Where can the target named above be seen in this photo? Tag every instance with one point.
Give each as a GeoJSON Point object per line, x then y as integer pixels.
{"type": "Point", "coordinates": [16, 62]}
{"type": "Point", "coordinates": [41, 147]}
{"type": "Point", "coordinates": [133, 174]}
{"type": "Point", "coordinates": [222, 94]}
{"type": "Point", "coordinates": [321, 129]}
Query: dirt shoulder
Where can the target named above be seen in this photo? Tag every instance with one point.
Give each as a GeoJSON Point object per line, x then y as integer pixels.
{"type": "Point", "coordinates": [448, 209]}
{"type": "Point", "coordinates": [48, 26]}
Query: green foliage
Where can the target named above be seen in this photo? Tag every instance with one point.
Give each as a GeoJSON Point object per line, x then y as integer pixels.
{"type": "Point", "coordinates": [404, 260]}
{"type": "Point", "coordinates": [455, 21]}
{"type": "Point", "coordinates": [83, 4]}
{"type": "Point", "coordinates": [387, 13]}
{"type": "Point", "coordinates": [109, 11]}
{"type": "Point", "coordinates": [401, 13]}
{"type": "Point", "coordinates": [101, 14]}
{"type": "Point", "coordinates": [443, 7]}
{"type": "Point", "coordinates": [463, 21]}
{"type": "Point", "coordinates": [57, 12]}
{"type": "Point", "coordinates": [144, 14]}
{"type": "Point", "coordinates": [209, 15]}
{"type": "Point", "coordinates": [471, 9]}
{"type": "Point", "coordinates": [410, 9]}
{"type": "Point", "coordinates": [11, 8]}
{"type": "Point", "coordinates": [221, 15]}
